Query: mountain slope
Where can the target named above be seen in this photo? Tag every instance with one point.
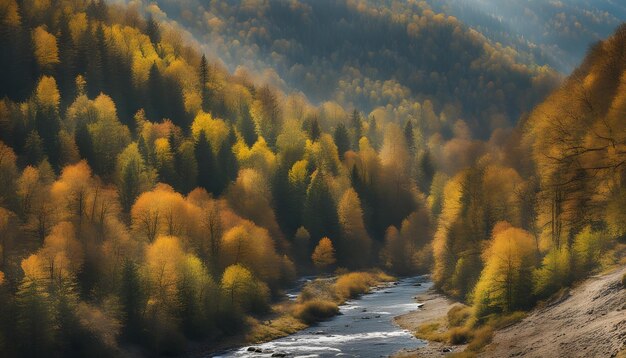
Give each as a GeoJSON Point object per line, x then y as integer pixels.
{"type": "Point", "coordinates": [588, 321]}
{"type": "Point", "coordinates": [371, 55]}
{"type": "Point", "coordinates": [557, 33]}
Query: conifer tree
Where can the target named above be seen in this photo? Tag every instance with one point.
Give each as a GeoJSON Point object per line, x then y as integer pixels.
{"type": "Point", "coordinates": [342, 139]}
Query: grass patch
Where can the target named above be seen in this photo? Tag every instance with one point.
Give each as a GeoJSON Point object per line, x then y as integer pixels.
{"type": "Point", "coordinates": [320, 289]}
{"type": "Point", "coordinates": [315, 310]}
{"type": "Point", "coordinates": [431, 331]}
{"type": "Point", "coordinates": [353, 284]}
{"type": "Point", "coordinates": [263, 331]}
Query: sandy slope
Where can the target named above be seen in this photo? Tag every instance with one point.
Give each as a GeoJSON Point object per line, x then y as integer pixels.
{"type": "Point", "coordinates": [589, 321]}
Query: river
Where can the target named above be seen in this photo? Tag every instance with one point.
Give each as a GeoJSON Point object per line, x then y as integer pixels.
{"type": "Point", "coordinates": [364, 328]}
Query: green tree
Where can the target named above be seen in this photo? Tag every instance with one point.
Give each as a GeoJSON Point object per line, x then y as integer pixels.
{"type": "Point", "coordinates": [342, 139]}
{"type": "Point", "coordinates": [206, 163]}
{"type": "Point", "coordinates": [320, 211]}
{"type": "Point", "coordinates": [357, 124]}
{"type": "Point", "coordinates": [133, 299]}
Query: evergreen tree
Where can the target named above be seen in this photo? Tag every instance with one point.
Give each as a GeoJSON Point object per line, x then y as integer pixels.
{"type": "Point", "coordinates": [67, 57]}
{"type": "Point", "coordinates": [156, 94]}
{"type": "Point", "coordinates": [409, 136]}
{"type": "Point", "coordinates": [245, 126]}
{"type": "Point", "coordinates": [314, 130]}
{"type": "Point", "coordinates": [206, 163]}
{"type": "Point", "coordinates": [426, 172]}
{"type": "Point", "coordinates": [152, 30]}
{"type": "Point", "coordinates": [357, 124]}
{"type": "Point", "coordinates": [204, 80]}
{"type": "Point", "coordinates": [342, 139]}
{"type": "Point", "coordinates": [35, 320]}
{"type": "Point", "coordinates": [320, 211]}
{"type": "Point", "coordinates": [133, 300]}
{"type": "Point", "coordinates": [84, 142]}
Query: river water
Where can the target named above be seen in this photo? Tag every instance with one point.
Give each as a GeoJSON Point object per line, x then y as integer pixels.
{"type": "Point", "coordinates": [364, 328]}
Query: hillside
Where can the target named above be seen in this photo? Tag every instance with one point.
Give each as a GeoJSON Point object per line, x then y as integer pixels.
{"type": "Point", "coordinates": [586, 321]}
{"type": "Point", "coordinates": [389, 55]}
{"type": "Point", "coordinates": [556, 33]}
{"type": "Point", "coordinates": [153, 199]}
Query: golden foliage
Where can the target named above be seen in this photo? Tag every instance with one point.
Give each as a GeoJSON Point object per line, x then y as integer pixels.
{"type": "Point", "coordinates": [324, 254]}
{"type": "Point", "coordinates": [46, 51]}
{"type": "Point", "coordinates": [47, 93]}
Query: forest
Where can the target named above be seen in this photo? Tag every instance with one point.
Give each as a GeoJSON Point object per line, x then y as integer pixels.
{"type": "Point", "coordinates": [150, 197]}
{"type": "Point", "coordinates": [396, 59]}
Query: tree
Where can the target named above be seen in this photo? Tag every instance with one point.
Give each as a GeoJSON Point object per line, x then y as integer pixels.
{"type": "Point", "coordinates": [251, 198]}
{"type": "Point", "coordinates": [203, 75]}
{"type": "Point", "coordinates": [314, 130]}
{"type": "Point", "coordinates": [409, 136]}
{"type": "Point", "coordinates": [133, 300]}
{"type": "Point", "coordinates": [8, 175]}
{"type": "Point", "coordinates": [46, 50]}
{"type": "Point", "coordinates": [132, 176]}
{"type": "Point", "coordinates": [267, 115]}
{"type": "Point", "coordinates": [357, 124]}
{"type": "Point", "coordinates": [245, 126]}
{"type": "Point", "coordinates": [153, 30]}
{"type": "Point", "coordinates": [109, 137]}
{"type": "Point", "coordinates": [186, 166]}
{"type": "Point", "coordinates": [324, 254]}
{"type": "Point", "coordinates": [206, 163]}
{"type": "Point", "coordinates": [353, 233]}
{"type": "Point", "coordinates": [342, 140]}
{"type": "Point", "coordinates": [320, 212]}
{"type": "Point", "coordinates": [47, 119]}
{"type": "Point", "coordinates": [505, 284]}
{"type": "Point", "coordinates": [163, 258]}
{"type": "Point", "coordinates": [240, 289]}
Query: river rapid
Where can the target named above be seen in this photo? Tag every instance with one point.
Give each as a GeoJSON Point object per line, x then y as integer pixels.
{"type": "Point", "coordinates": [365, 328]}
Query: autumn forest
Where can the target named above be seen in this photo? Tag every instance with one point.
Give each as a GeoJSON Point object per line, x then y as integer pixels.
{"type": "Point", "coordinates": [154, 198]}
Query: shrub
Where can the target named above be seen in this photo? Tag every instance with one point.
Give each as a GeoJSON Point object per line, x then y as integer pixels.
{"type": "Point", "coordinates": [315, 310]}
{"type": "Point", "coordinates": [458, 315]}
{"type": "Point", "coordinates": [320, 289]}
{"type": "Point", "coordinates": [431, 332]}
{"type": "Point", "coordinates": [354, 284]}
{"type": "Point", "coordinates": [624, 280]}
{"type": "Point", "coordinates": [481, 337]}
{"type": "Point", "coordinates": [459, 335]}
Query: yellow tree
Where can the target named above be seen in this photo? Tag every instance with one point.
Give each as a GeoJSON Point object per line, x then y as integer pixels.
{"type": "Point", "coordinates": [505, 283]}
{"type": "Point", "coordinates": [324, 254]}
{"type": "Point", "coordinates": [240, 288]}
{"type": "Point", "coordinates": [162, 260]}
{"type": "Point", "coordinates": [250, 245]}
{"type": "Point", "coordinates": [46, 50]}
{"type": "Point", "coordinates": [62, 254]}
{"type": "Point", "coordinates": [353, 231]}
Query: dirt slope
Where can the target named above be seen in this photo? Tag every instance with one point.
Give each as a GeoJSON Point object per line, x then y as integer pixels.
{"type": "Point", "coordinates": [589, 321]}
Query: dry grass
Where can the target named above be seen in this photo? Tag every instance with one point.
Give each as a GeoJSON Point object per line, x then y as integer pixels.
{"type": "Point", "coordinates": [480, 338]}
{"type": "Point", "coordinates": [353, 284]}
{"type": "Point", "coordinates": [264, 331]}
{"type": "Point", "coordinates": [432, 331]}
{"type": "Point", "coordinates": [315, 311]}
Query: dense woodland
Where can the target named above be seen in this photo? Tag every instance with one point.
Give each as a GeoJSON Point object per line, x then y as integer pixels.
{"type": "Point", "coordinates": [396, 59]}
{"type": "Point", "coordinates": [149, 198]}
{"type": "Point", "coordinates": [556, 33]}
